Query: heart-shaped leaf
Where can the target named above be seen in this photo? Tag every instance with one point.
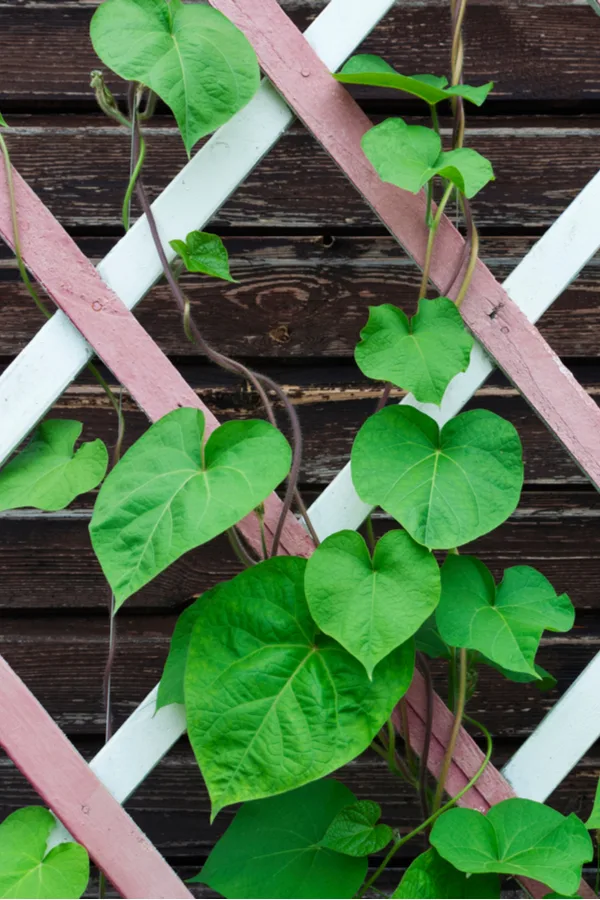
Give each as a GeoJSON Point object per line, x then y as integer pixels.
{"type": "Point", "coordinates": [411, 155]}
{"type": "Point", "coordinates": [594, 819]}
{"type": "Point", "coordinates": [422, 354]}
{"type": "Point", "coordinates": [446, 488]}
{"type": "Point", "coordinates": [542, 680]}
{"type": "Point", "coordinates": [371, 606]}
{"type": "Point", "coordinates": [505, 624]}
{"type": "Point", "coordinates": [271, 704]}
{"type": "Point", "coordinates": [429, 876]}
{"type": "Point", "coordinates": [170, 688]}
{"type": "Point", "coordinates": [355, 831]}
{"type": "Point", "coordinates": [376, 72]}
{"type": "Point", "coordinates": [189, 54]}
{"type": "Point", "coordinates": [48, 474]}
{"type": "Point", "coordinates": [27, 870]}
{"type": "Point", "coordinates": [429, 641]}
{"type": "Point", "coordinates": [205, 253]}
{"type": "Point", "coordinates": [273, 848]}
{"type": "Point", "coordinates": [169, 494]}
{"type": "Point", "coordinates": [516, 837]}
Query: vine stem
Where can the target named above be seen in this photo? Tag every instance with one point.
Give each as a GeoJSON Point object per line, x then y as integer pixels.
{"type": "Point", "coordinates": [431, 239]}
{"type": "Point", "coordinates": [424, 759]}
{"type": "Point", "coordinates": [435, 815]}
{"type": "Point", "coordinates": [458, 717]}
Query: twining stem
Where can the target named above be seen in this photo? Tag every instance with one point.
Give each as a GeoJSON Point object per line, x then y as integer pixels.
{"type": "Point", "coordinates": [424, 758]}
{"type": "Point", "coordinates": [431, 239]}
{"type": "Point", "coordinates": [370, 533]}
{"type": "Point", "coordinates": [239, 549]}
{"type": "Point", "coordinates": [435, 815]}
{"type": "Point", "coordinates": [458, 717]}
{"type": "Point", "coordinates": [410, 757]}
{"type": "Point", "coordinates": [473, 257]}
{"type": "Point", "coordinates": [132, 182]}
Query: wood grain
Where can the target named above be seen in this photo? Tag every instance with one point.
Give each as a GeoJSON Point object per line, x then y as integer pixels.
{"type": "Point", "coordinates": [79, 168]}
{"type": "Point", "coordinates": [533, 51]}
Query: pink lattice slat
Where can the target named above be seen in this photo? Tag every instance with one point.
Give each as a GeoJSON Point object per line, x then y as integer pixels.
{"type": "Point", "coordinates": [59, 270]}
{"type": "Point", "coordinates": [126, 348]}
{"type": "Point", "coordinates": [64, 780]}
{"type": "Point", "coordinates": [338, 123]}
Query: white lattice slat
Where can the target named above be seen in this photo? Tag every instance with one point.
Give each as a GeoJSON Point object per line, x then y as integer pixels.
{"type": "Point", "coordinates": [56, 355]}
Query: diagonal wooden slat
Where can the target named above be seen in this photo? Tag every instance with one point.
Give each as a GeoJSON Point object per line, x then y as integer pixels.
{"type": "Point", "coordinates": [66, 783]}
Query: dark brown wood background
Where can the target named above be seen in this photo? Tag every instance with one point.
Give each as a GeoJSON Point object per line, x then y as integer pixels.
{"type": "Point", "coordinates": [310, 258]}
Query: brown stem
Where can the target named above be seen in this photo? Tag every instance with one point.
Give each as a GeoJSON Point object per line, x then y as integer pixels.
{"type": "Point", "coordinates": [458, 717]}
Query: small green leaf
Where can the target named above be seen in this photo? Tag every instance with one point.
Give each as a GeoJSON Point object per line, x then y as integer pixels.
{"type": "Point", "coordinates": [422, 354]}
{"type": "Point", "coordinates": [206, 253]}
{"type": "Point", "coordinates": [410, 155]}
{"type": "Point", "coordinates": [273, 848]}
{"type": "Point", "coordinates": [431, 877]}
{"type": "Point", "coordinates": [428, 641]}
{"type": "Point", "coordinates": [169, 494]}
{"type": "Point", "coordinates": [371, 606]}
{"type": "Point", "coordinates": [355, 831]}
{"type": "Point", "coordinates": [27, 870]}
{"type": "Point", "coordinates": [516, 837]}
{"type": "Point", "coordinates": [48, 474]}
{"type": "Point", "coordinates": [504, 623]}
{"type": "Point", "coordinates": [272, 704]}
{"type": "Point", "coordinates": [191, 55]}
{"type": "Point", "coordinates": [445, 488]}
{"type": "Point", "coordinates": [170, 688]}
{"type": "Point", "coordinates": [375, 72]}
{"type": "Point", "coordinates": [3, 124]}
{"type": "Point", "coordinates": [594, 819]}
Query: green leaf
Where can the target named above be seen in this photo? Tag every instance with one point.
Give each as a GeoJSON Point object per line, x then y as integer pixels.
{"type": "Point", "coordinates": [191, 55]}
{"type": "Point", "coordinates": [446, 488]}
{"type": "Point", "coordinates": [375, 72]}
{"type": "Point", "coordinates": [206, 253]}
{"type": "Point", "coordinates": [504, 623]}
{"type": "Point", "coordinates": [27, 870]}
{"type": "Point", "coordinates": [516, 837]}
{"type": "Point", "coordinates": [168, 494]}
{"type": "Point", "coordinates": [430, 876]}
{"type": "Point", "coordinates": [429, 641]}
{"type": "Point", "coordinates": [411, 155]}
{"type": "Point", "coordinates": [273, 848]}
{"type": "Point", "coordinates": [371, 606]}
{"type": "Point", "coordinates": [170, 688]}
{"type": "Point", "coordinates": [355, 831]}
{"type": "Point", "coordinates": [422, 354]}
{"type": "Point", "coordinates": [3, 124]}
{"type": "Point", "coordinates": [542, 679]}
{"type": "Point", "coordinates": [48, 474]}
{"type": "Point", "coordinates": [272, 704]}
{"type": "Point", "coordinates": [594, 819]}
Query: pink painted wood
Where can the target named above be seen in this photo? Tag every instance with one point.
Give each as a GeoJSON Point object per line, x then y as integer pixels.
{"type": "Point", "coordinates": [67, 784]}
{"type": "Point", "coordinates": [114, 332]}
{"type": "Point", "coordinates": [338, 123]}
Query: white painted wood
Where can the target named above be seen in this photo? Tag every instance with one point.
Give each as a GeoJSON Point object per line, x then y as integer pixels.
{"type": "Point", "coordinates": [550, 266]}
{"type": "Point", "coordinates": [50, 362]}
{"type": "Point", "coordinates": [561, 739]}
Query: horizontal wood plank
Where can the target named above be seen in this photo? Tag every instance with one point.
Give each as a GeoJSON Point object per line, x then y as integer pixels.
{"type": "Point", "coordinates": [79, 168]}
{"type": "Point", "coordinates": [532, 50]}
{"type": "Point", "coordinates": [307, 297]}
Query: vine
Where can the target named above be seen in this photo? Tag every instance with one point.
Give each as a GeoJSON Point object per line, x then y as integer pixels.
{"type": "Point", "coordinates": [295, 667]}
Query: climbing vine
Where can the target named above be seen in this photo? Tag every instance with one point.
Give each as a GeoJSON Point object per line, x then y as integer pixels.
{"type": "Point", "coordinates": [295, 667]}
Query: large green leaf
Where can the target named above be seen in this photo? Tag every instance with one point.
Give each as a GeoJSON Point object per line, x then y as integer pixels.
{"type": "Point", "coordinates": [273, 848]}
{"type": "Point", "coordinates": [446, 488]}
{"type": "Point", "coordinates": [191, 55]}
{"type": "Point", "coordinates": [370, 605]}
{"type": "Point", "coordinates": [376, 72]}
{"type": "Point", "coordinates": [504, 623]}
{"type": "Point", "coordinates": [27, 870]}
{"type": "Point", "coordinates": [170, 688]}
{"type": "Point", "coordinates": [169, 494]}
{"type": "Point", "coordinates": [271, 704]}
{"type": "Point", "coordinates": [422, 354]}
{"type": "Point", "coordinates": [429, 876]}
{"type": "Point", "coordinates": [429, 641]}
{"type": "Point", "coordinates": [594, 819]}
{"type": "Point", "coordinates": [48, 474]}
{"type": "Point", "coordinates": [411, 155]}
{"type": "Point", "coordinates": [355, 831]}
{"type": "Point", "coordinates": [205, 253]}
{"type": "Point", "coordinates": [541, 678]}
{"type": "Point", "coordinates": [516, 837]}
